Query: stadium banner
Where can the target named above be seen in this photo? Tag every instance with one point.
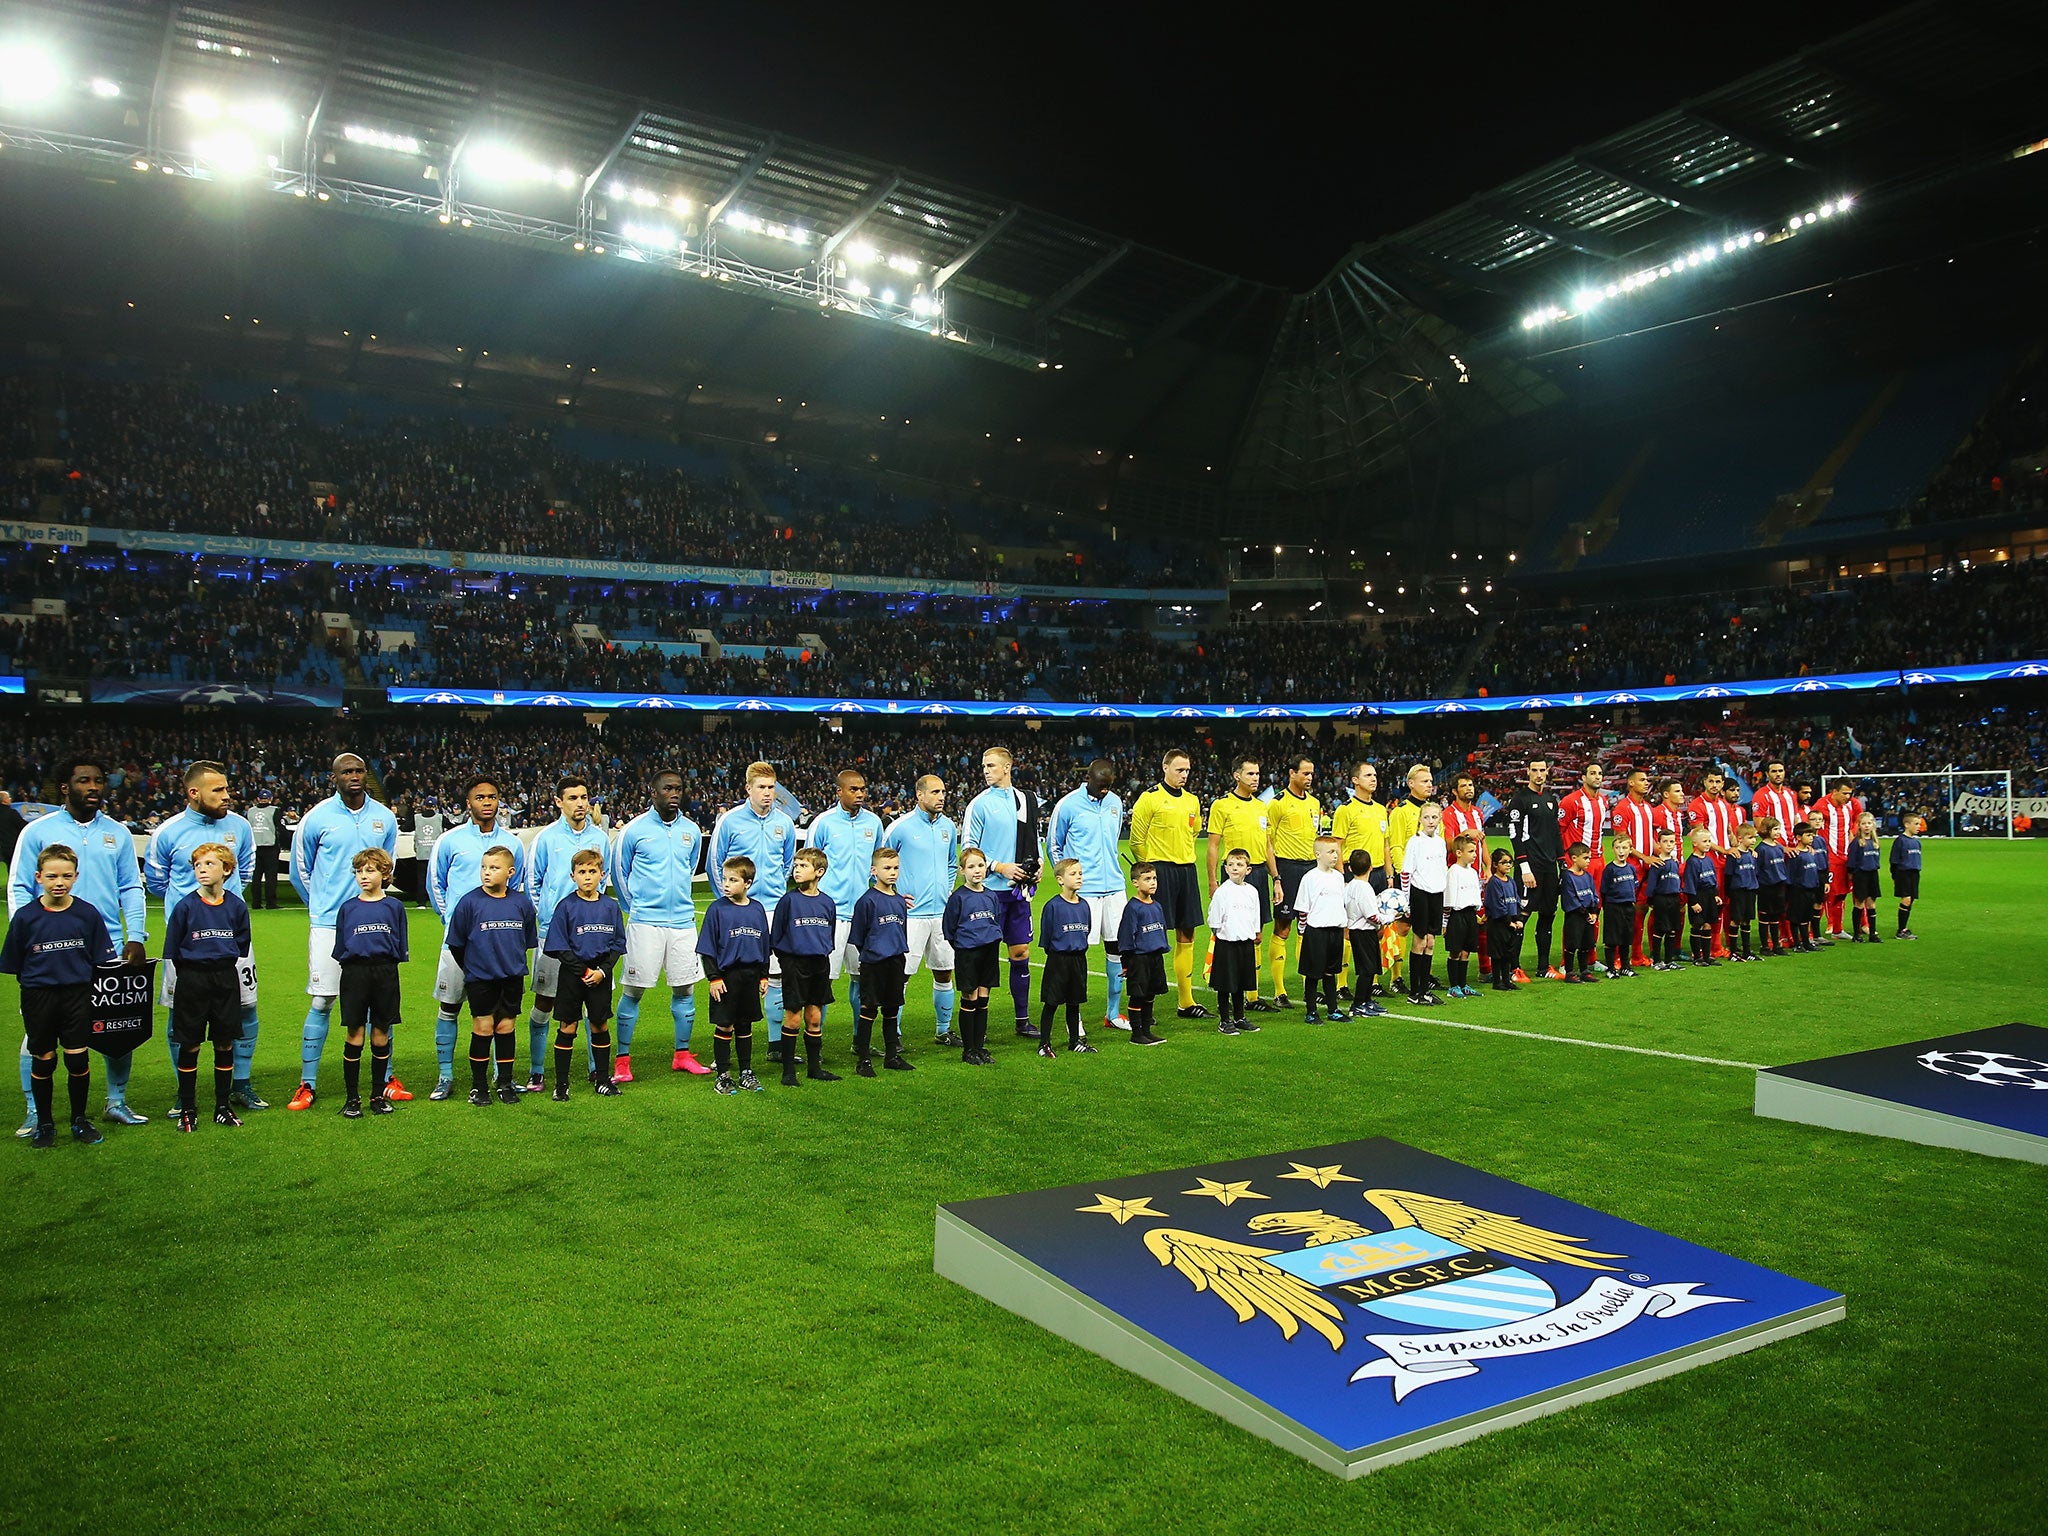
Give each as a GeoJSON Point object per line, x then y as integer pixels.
{"type": "Point", "coordinates": [1366, 1302]}
{"type": "Point", "coordinates": [1984, 1090]}
{"type": "Point", "coordinates": [13, 685]}
{"type": "Point", "coordinates": [726, 703]}
{"type": "Point", "coordinates": [607, 570]}
{"type": "Point", "coordinates": [1994, 805]}
{"type": "Point", "coordinates": [239, 695]}
{"type": "Point", "coordinates": [46, 533]}
{"type": "Point", "coordinates": [1843, 682]}
{"type": "Point", "coordinates": [803, 581]}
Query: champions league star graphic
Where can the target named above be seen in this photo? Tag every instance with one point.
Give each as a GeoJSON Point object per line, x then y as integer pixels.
{"type": "Point", "coordinates": [1367, 1302]}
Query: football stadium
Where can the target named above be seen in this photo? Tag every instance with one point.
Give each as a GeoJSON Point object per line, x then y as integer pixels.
{"type": "Point", "coordinates": [1072, 796]}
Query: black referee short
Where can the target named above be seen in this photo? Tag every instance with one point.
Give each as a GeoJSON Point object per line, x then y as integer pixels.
{"type": "Point", "coordinates": [1291, 871]}
{"type": "Point", "coordinates": [1259, 882]}
{"type": "Point", "coordinates": [1180, 896]}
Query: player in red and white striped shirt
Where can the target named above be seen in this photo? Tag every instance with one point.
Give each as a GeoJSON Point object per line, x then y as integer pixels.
{"type": "Point", "coordinates": [1840, 811]}
{"type": "Point", "coordinates": [1462, 818]}
{"type": "Point", "coordinates": [1635, 814]}
{"type": "Point", "coordinates": [1709, 810]}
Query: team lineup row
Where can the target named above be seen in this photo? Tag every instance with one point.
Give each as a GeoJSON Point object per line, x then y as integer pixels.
{"type": "Point", "coordinates": [873, 905]}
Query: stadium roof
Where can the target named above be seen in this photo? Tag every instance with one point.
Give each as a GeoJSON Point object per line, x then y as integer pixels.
{"type": "Point", "coordinates": [1146, 383]}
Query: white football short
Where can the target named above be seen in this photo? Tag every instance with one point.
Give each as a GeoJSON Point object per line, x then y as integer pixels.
{"type": "Point", "coordinates": [547, 975]}
{"type": "Point", "coordinates": [1108, 913]}
{"type": "Point", "coordinates": [449, 982]}
{"type": "Point", "coordinates": [845, 957]}
{"type": "Point", "coordinates": [928, 946]}
{"type": "Point", "coordinates": [651, 951]}
{"type": "Point", "coordinates": [323, 971]}
{"type": "Point", "coordinates": [245, 972]}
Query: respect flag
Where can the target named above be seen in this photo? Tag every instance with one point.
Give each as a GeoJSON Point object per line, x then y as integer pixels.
{"type": "Point", "coordinates": [123, 1007]}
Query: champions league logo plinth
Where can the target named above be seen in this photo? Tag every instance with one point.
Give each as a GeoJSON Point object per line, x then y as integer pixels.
{"type": "Point", "coordinates": [1364, 1303]}
{"type": "Point", "coordinates": [1982, 1091]}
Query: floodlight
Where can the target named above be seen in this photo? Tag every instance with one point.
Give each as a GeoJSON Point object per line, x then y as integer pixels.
{"type": "Point", "coordinates": [377, 138]}
{"type": "Point", "coordinates": [903, 264]}
{"type": "Point", "coordinates": [888, 295]}
{"type": "Point", "coordinates": [681, 206]}
{"type": "Point", "coordinates": [27, 73]}
{"type": "Point", "coordinates": [860, 253]}
{"type": "Point", "coordinates": [922, 306]}
{"type": "Point", "coordinates": [229, 154]}
{"type": "Point", "coordinates": [202, 104]}
{"type": "Point", "coordinates": [269, 116]}
{"type": "Point", "coordinates": [860, 290]}
{"type": "Point", "coordinates": [105, 89]}
{"type": "Point", "coordinates": [653, 235]}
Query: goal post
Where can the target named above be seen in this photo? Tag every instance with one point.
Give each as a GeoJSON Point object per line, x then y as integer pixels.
{"type": "Point", "coordinates": [1958, 802]}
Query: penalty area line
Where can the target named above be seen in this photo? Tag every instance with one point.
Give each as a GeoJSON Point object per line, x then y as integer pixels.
{"type": "Point", "coordinates": [1596, 1045]}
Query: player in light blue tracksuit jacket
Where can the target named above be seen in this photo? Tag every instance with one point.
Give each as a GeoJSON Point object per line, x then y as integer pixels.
{"type": "Point", "coordinates": [927, 844]}
{"type": "Point", "coordinates": [1087, 825]}
{"type": "Point", "coordinates": [760, 831]}
{"type": "Point", "coordinates": [548, 861]}
{"type": "Point", "coordinates": [452, 873]}
{"type": "Point", "coordinates": [167, 872]}
{"type": "Point", "coordinates": [323, 872]}
{"type": "Point", "coordinates": [848, 836]}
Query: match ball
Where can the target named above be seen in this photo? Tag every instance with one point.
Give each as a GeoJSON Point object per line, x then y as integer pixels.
{"type": "Point", "coordinates": [1393, 906]}
{"type": "Point", "coordinates": [1995, 1069]}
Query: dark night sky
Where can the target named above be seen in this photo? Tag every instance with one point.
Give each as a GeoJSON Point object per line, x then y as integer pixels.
{"type": "Point", "coordinates": [1266, 148]}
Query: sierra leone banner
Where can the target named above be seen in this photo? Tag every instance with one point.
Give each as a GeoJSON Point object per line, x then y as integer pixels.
{"type": "Point", "coordinates": [123, 1007]}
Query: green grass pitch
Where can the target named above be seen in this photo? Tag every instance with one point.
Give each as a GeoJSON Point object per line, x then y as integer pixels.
{"type": "Point", "coordinates": [672, 1311]}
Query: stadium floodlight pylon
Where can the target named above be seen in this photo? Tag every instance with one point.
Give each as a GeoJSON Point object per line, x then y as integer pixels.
{"type": "Point", "coordinates": [1968, 798]}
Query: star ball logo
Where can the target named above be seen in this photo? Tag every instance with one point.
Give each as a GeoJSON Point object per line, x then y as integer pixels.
{"type": "Point", "coordinates": [1993, 1069]}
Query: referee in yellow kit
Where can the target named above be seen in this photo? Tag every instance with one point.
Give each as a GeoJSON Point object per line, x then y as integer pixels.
{"type": "Point", "coordinates": [1165, 822]}
{"type": "Point", "coordinates": [1361, 822]}
{"type": "Point", "coordinates": [1238, 820]}
{"type": "Point", "coordinates": [1296, 817]}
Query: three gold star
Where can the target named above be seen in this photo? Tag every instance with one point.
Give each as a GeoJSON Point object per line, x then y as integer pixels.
{"type": "Point", "coordinates": [1322, 1178]}
{"type": "Point", "coordinates": [1123, 1210]}
{"type": "Point", "coordinates": [1224, 1194]}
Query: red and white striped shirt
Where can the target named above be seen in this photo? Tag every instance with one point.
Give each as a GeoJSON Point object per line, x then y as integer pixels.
{"type": "Point", "coordinates": [1712, 814]}
{"type": "Point", "coordinates": [1460, 819]}
{"type": "Point", "coordinates": [1781, 801]}
{"type": "Point", "coordinates": [1638, 819]}
{"type": "Point", "coordinates": [1839, 825]}
{"type": "Point", "coordinates": [1582, 818]}
{"type": "Point", "coordinates": [1666, 818]}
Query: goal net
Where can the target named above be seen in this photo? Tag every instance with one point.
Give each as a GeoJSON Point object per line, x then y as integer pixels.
{"type": "Point", "coordinates": [1957, 802]}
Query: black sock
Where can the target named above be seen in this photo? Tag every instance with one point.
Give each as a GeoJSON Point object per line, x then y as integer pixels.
{"type": "Point", "coordinates": [864, 1034]}
{"type": "Point", "coordinates": [40, 1087]}
{"type": "Point", "coordinates": [352, 1067]}
{"type": "Point", "coordinates": [743, 1046]}
{"type": "Point", "coordinates": [78, 1079]}
{"type": "Point", "coordinates": [188, 1078]}
{"type": "Point", "coordinates": [479, 1062]}
{"type": "Point", "coordinates": [1020, 989]}
{"type": "Point", "coordinates": [1457, 971]}
{"type": "Point", "coordinates": [380, 1068]}
{"type": "Point", "coordinates": [1045, 1013]}
{"type": "Point", "coordinates": [721, 1052]}
{"type": "Point", "coordinates": [814, 1052]}
{"type": "Point", "coordinates": [1905, 911]}
{"type": "Point", "coordinates": [565, 1055]}
{"type": "Point", "coordinates": [505, 1057]}
{"type": "Point", "coordinates": [892, 1036]}
{"type": "Point", "coordinates": [1073, 1023]}
{"type": "Point", "coordinates": [223, 1075]}
{"type": "Point", "coordinates": [601, 1049]}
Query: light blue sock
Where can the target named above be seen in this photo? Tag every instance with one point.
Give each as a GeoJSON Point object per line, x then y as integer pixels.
{"type": "Point", "coordinates": [313, 1039]}
{"type": "Point", "coordinates": [944, 1000]}
{"type": "Point", "coordinates": [447, 1024]}
{"type": "Point", "coordinates": [629, 1015]}
{"type": "Point", "coordinates": [772, 1006]}
{"type": "Point", "coordinates": [28, 1090]}
{"type": "Point", "coordinates": [682, 1010]}
{"type": "Point", "coordinates": [118, 1068]}
{"type": "Point", "coordinates": [538, 1027]}
{"type": "Point", "coordinates": [1113, 966]}
{"type": "Point", "coordinates": [245, 1048]}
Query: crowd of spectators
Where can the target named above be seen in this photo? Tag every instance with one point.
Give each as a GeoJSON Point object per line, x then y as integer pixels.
{"type": "Point", "coordinates": [163, 456]}
{"type": "Point", "coordinates": [1999, 470]}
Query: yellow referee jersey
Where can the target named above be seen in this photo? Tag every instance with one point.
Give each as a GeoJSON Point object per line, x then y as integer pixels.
{"type": "Point", "coordinates": [1362, 824]}
{"type": "Point", "coordinates": [1295, 820]}
{"type": "Point", "coordinates": [1164, 825]}
{"type": "Point", "coordinates": [1240, 821]}
{"type": "Point", "coordinates": [1403, 821]}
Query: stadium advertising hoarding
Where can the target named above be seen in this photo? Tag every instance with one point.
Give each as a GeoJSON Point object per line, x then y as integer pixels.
{"type": "Point", "coordinates": [1779, 687]}
{"type": "Point", "coordinates": [1365, 1302]}
{"type": "Point", "coordinates": [234, 546]}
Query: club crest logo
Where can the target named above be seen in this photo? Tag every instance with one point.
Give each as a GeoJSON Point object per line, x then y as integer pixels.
{"type": "Point", "coordinates": [1443, 1266]}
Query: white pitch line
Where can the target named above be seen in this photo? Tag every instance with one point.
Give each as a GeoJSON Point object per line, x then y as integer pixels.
{"type": "Point", "coordinates": [1596, 1045]}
